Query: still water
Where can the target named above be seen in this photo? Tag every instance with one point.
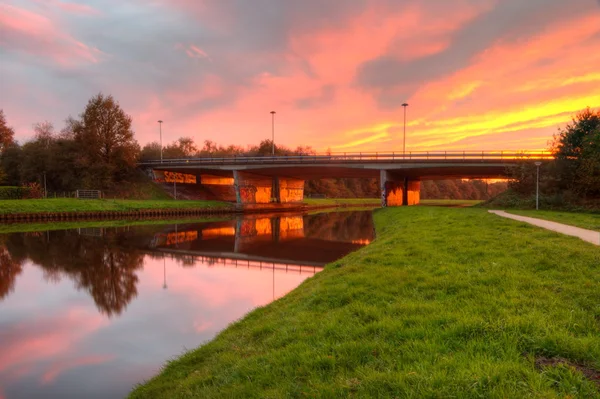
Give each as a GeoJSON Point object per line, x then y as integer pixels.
{"type": "Point", "coordinates": [90, 312]}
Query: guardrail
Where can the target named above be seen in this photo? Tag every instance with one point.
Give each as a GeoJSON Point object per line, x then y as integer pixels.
{"type": "Point", "coordinates": [364, 157]}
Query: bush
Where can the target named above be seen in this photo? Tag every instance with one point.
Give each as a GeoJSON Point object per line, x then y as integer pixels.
{"type": "Point", "coordinates": [32, 190]}
{"type": "Point", "coordinates": [11, 193]}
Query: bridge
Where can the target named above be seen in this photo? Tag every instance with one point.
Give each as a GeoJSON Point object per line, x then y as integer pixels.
{"type": "Point", "coordinates": [280, 179]}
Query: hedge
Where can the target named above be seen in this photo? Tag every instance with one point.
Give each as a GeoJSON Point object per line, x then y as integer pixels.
{"type": "Point", "coordinates": [15, 193]}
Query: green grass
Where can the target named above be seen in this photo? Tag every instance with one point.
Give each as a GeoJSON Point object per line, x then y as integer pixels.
{"type": "Point", "coordinates": [444, 202]}
{"type": "Point", "coordinates": [341, 201]}
{"type": "Point", "coordinates": [444, 303]}
{"type": "Point", "coordinates": [75, 205]}
{"type": "Point", "coordinates": [590, 221]}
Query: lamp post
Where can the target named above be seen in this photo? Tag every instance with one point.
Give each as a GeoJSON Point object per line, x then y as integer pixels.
{"type": "Point", "coordinates": [160, 132]}
{"type": "Point", "coordinates": [537, 187]}
{"type": "Point", "coordinates": [405, 105]}
{"type": "Point", "coordinates": [273, 131]}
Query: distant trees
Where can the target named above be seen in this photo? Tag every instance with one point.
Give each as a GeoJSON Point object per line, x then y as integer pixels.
{"type": "Point", "coordinates": [461, 189]}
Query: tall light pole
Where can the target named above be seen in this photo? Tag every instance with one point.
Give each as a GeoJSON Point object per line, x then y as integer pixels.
{"type": "Point", "coordinates": [405, 105]}
{"type": "Point", "coordinates": [537, 187]}
{"type": "Point", "coordinates": [160, 132]}
{"type": "Point", "coordinates": [273, 131]}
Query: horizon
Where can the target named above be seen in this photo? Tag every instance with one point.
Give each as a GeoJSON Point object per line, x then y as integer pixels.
{"type": "Point", "coordinates": [487, 75]}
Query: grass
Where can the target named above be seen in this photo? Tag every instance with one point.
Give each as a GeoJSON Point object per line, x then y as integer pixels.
{"type": "Point", "coordinates": [445, 202]}
{"type": "Point", "coordinates": [590, 221]}
{"type": "Point", "coordinates": [77, 205]}
{"type": "Point", "coordinates": [341, 201]}
{"type": "Point", "coordinates": [444, 303]}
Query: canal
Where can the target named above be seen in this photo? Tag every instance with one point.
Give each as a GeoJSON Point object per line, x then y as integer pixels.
{"type": "Point", "coordinates": [91, 312]}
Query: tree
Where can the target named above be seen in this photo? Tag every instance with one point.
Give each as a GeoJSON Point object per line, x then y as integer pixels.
{"type": "Point", "coordinates": [7, 139]}
{"type": "Point", "coordinates": [108, 149]}
{"type": "Point", "coordinates": [151, 151]}
{"type": "Point", "coordinates": [181, 148]}
{"type": "Point", "coordinates": [37, 154]}
{"type": "Point", "coordinates": [577, 152]}
{"type": "Point", "coordinates": [7, 134]}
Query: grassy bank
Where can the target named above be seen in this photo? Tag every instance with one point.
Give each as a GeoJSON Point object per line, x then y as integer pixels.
{"type": "Point", "coordinates": [590, 221]}
{"type": "Point", "coordinates": [450, 203]}
{"type": "Point", "coordinates": [341, 201]}
{"type": "Point", "coordinates": [444, 303]}
{"type": "Point", "coordinates": [76, 205]}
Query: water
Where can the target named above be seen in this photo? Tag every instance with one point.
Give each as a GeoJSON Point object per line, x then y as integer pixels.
{"type": "Point", "coordinates": [91, 312]}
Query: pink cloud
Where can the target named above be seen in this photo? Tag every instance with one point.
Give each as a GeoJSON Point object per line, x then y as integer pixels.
{"type": "Point", "coordinates": [25, 31]}
{"type": "Point", "coordinates": [60, 367]}
{"type": "Point", "coordinates": [27, 345]}
{"type": "Point", "coordinates": [74, 8]}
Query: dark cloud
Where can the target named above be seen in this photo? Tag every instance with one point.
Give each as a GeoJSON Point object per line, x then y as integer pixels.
{"type": "Point", "coordinates": [325, 96]}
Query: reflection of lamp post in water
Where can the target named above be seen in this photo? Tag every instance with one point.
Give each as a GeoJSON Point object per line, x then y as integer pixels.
{"type": "Point", "coordinates": [165, 274]}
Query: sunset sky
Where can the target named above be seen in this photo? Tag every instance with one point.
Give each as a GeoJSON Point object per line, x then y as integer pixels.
{"type": "Point", "coordinates": [478, 74]}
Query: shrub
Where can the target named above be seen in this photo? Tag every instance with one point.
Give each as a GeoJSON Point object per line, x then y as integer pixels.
{"type": "Point", "coordinates": [32, 190]}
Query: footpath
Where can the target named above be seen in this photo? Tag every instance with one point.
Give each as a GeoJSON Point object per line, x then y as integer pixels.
{"type": "Point", "coordinates": [586, 235]}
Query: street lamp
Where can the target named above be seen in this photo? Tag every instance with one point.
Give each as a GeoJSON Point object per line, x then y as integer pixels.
{"type": "Point", "coordinates": [160, 131]}
{"type": "Point", "coordinates": [537, 187]}
{"type": "Point", "coordinates": [273, 131]}
{"type": "Point", "coordinates": [405, 105]}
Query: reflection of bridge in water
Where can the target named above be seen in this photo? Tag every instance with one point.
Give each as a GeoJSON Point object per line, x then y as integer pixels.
{"type": "Point", "coordinates": [279, 240]}
{"type": "Point", "coordinates": [254, 263]}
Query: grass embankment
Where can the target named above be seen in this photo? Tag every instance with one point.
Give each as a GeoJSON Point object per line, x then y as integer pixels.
{"type": "Point", "coordinates": [590, 221]}
{"type": "Point", "coordinates": [444, 303]}
{"type": "Point", "coordinates": [77, 205]}
{"type": "Point", "coordinates": [450, 203]}
{"type": "Point", "coordinates": [341, 201]}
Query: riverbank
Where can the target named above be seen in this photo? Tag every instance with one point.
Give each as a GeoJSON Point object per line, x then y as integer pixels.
{"type": "Point", "coordinates": [445, 303]}
{"type": "Point", "coordinates": [68, 209]}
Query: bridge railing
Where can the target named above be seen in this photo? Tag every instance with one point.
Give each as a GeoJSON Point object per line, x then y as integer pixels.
{"type": "Point", "coordinates": [343, 157]}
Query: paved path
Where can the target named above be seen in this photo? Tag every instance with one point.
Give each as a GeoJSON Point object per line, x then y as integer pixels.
{"type": "Point", "coordinates": [586, 235]}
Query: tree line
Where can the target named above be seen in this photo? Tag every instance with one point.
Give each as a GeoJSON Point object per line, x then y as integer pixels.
{"type": "Point", "coordinates": [95, 150]}
{"type": "Point", "coordinates": [98, 150]}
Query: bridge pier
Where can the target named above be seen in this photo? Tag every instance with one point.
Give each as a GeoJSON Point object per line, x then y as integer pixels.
{"type": "Point", "coordinates": [258, 189]}
{"type": "Point", "coordinates": [398, 190]}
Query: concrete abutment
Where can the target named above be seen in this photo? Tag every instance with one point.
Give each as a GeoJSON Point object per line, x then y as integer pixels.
{"type": "Point", "coordinates": [397, 190]}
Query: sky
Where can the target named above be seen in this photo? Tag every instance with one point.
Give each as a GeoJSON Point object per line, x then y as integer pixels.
{"type": "Point", "coordinates": [477, 74]}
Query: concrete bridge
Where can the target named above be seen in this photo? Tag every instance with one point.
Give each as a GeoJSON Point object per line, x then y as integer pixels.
{"type": "Point", "coordinates": [280, 179]}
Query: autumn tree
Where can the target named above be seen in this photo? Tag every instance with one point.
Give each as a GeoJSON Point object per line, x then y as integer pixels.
{"type": "Point", "coordinates": [181, 148]}
{"type": "Point", "coordinates": [150, 151]}
{"type": "Point", "coordinates": [7, 139]}
{"type": "Point", "coordinates": [37, 153]}
{"type": "Point", "coordinates": [108, 149]}
{"type": "Point", "coordinates": [7, 134]}
{"type": "Point", "coordinates": [577, 152]}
